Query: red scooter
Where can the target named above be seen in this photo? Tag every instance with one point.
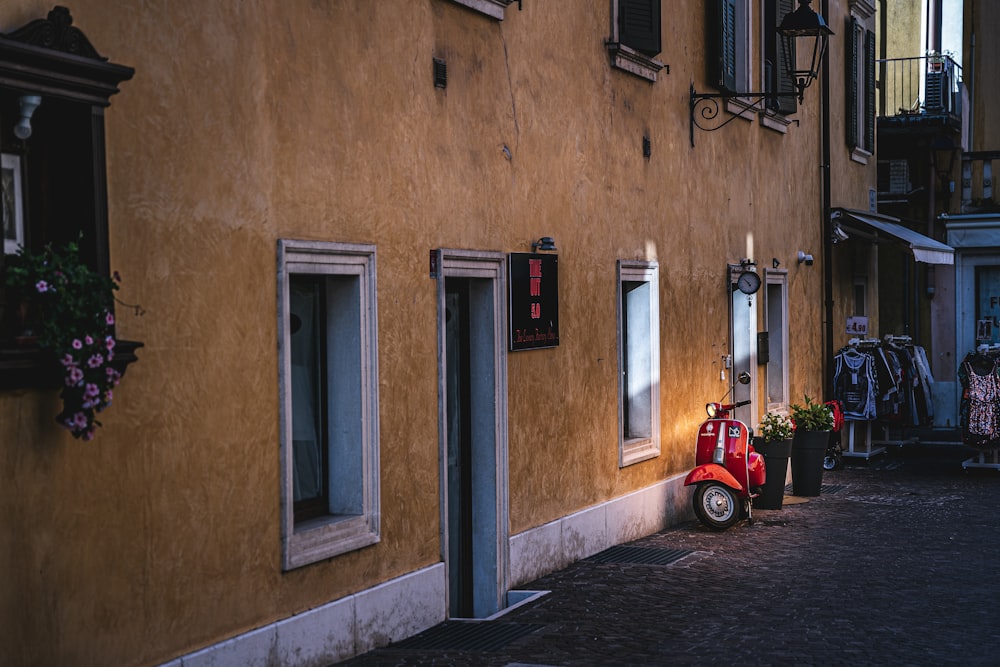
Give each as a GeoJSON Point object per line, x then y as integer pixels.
{"type": "Point", "coordinates": [728, 472]}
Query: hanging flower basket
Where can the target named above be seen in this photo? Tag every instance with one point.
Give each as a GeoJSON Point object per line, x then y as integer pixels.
{"type": "Point", "coordinates": [67, 308]}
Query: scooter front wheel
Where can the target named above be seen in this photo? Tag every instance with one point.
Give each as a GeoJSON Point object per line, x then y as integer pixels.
{"type": "Point", "coordinates": [716, 505]}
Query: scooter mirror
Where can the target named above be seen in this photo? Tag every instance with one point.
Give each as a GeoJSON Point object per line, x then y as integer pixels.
{"type": "Point", "coordinates": [743, 378]}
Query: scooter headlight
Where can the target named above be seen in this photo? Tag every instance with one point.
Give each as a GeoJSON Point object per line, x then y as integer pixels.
{"type": "Point", "coordinates": [711, 409]}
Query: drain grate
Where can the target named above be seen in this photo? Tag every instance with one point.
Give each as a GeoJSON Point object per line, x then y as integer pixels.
{"type": "Point", "coordinates": [639, 555]}
{"type": "Point", "coordinates": [828, 489]}
{"type": "Point", "coordinates": [467, 636]}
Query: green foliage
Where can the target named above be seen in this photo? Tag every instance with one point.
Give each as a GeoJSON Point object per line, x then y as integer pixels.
{"type": "Point", "coordinates": [68, 306]}
{"type": "Point", "coordinates": [812, 416]}
{"type": "Point", "coordinates": [775, 427]}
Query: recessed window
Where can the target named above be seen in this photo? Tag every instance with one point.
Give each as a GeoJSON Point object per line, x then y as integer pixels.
{"type": "Point", "coordinates": [635, 37]}
{"type": "Point", "coordinates": [329, 399]}
{"type": "Point", "coordinates": [732, 66]}
{"type": "Point", "coordinates": [776, 79]}
{"type": "Point", "coordinates": [860, 81]}
{"type": "Point", "coordinates": [729, 45]}
{"type": "Point", "coordinates": [639, 361]}
{"type": "Point", "coordinates": [861, 296]}
{"type": "Point", "coordinates": [776, 304]}
{"type": "Point", "coordinates": [54, 89]}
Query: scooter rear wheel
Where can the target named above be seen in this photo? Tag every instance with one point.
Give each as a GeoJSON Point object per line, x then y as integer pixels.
{"type": "Point", "coordinates": [716, 505]}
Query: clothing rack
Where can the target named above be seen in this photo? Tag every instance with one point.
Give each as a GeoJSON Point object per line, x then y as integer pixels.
{"type": "Point", "coordinates": [902, 376]}
{"type": "Point", "coordinates": [859, 433]}
{"type": "Point", "coordinates": [859, 440]}
{"type": "Point", "coordinates": [898, 340]}
{"type": "Point", "coordinates": [989, 457]}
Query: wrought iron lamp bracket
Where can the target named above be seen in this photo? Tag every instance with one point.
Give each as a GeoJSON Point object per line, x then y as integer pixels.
{"type": "Point", "coordinates": [706, 107]}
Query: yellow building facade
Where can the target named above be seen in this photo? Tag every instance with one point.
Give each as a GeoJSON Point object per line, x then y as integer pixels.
{"type": "Point", "coordinates": [350, 188]}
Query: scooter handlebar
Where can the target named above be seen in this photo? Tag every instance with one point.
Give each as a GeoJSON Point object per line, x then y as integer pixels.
{"type": "Point", "coordinates": [737, 404]}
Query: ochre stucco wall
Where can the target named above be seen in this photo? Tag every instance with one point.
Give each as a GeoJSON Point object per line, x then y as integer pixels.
{"type": "Point", "coordinates": [246, 123]}
{"type": "Point", "coordinates": [985, 72]}
{"type": "Point", "coordinates": [852, 176]}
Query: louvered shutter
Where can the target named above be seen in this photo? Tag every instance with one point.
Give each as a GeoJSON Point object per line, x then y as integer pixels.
{"type": "Point", "coordinates": [722, 47]}
{"type": "Point", "coordinates": [869, 91]}
{"type": "Point", "coordinates": [639, 25]}
{"type": "Point", "coordinates": [785, 83]}
{"type": "Point", "coordinates": [851, 79]}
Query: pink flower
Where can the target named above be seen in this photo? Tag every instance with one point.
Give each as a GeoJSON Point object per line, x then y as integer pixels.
{"type": "Point", "coordinates": [95, 361]}
{"type": "Point", "coordinates": [75, 376]}
{"type": "Point", "coordinates": [91, 390]}
{"type": "Point", "coordinates": [109, 319]}
{"type": "Point", "coordinates": [77, 344]}
{"type": "Point", "coordinates": [109, 342]}
{"type": "Point", "coordinates": [67, 360]}
{"type": "Point", "coordinates": [42, 286]}
{"type": "Point", "coordinates": [80, 420]}
{"type": "Point", "coordinates": [88, 340]}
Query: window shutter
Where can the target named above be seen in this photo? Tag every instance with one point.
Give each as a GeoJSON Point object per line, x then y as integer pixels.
{"type": "Point", "coordinates": [639, 25]}
{"type": "Point", "coordinates": [785, 83]}
{"type": "Point", "coordinates": [851, 79]}
{"type": "Point", "coordinates": [869, 91]}
{"type": "Point", "coordinates": [722, 49]}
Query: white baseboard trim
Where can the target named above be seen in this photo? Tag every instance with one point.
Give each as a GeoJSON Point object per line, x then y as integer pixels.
{"type": "Point", "coordinates": [338, 630]}
{"type": "Point", "coordinates": [409, 604]}
{"type": "Point", "coordinates": [555, 545]}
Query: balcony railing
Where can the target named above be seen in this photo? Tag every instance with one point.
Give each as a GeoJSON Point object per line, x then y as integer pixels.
{"type": "Point", "coordinates": [918, 88]}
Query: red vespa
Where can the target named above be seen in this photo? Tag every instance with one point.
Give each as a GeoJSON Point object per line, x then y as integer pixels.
{"type": "Point", "coordinates": [728, 472]}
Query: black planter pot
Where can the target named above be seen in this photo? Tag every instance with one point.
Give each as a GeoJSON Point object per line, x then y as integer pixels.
{"type": "Point", "coordinates": [808, 450]}
{"type": "Point", "coordinates": [776, 453]}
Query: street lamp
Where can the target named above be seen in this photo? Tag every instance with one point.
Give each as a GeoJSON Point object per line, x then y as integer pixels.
{"type": "Point", "coordinates": [803, 23]}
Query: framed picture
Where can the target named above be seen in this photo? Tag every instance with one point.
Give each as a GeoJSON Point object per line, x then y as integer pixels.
{"type": "Point", "coordinates": [11, 202]}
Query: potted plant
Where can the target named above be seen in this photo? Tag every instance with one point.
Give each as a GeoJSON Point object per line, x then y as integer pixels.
{"type": "Point", "coordinates": [775, 427]}
{"type": "Point", "coordinates": [774, 441]}
{"type": "Point", "coordinates": [66, 308]}
{"type": "Point", "coordinates": [813, 423]}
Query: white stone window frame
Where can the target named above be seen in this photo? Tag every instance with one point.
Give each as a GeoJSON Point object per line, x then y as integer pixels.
{"type": "Point", "coordinates": [749, 107]}
{"type": "Point", "coordinates": [628, 59]}
{"type": "Point", "coordinates": [492, 8]}
{"type": "Point", "coordinates": [330, 535]}
{"type": "Point", "coordinates": [778, 277]}
{"type": "Point", "coordinates": [634, 450]}
{"type": "Point", "coordinates": [864, 12]}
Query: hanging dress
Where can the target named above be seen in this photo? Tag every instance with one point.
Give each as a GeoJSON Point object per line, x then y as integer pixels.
{"type": "Point", "coordinates": [981, 401]}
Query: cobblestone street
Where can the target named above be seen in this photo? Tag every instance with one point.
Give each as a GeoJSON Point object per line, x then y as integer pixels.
{"type": "Point", "coordinates": [893, 564]}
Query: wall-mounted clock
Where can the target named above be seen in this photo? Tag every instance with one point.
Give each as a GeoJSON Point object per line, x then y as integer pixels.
{"type": "Point", "coordinates": [748, 282]}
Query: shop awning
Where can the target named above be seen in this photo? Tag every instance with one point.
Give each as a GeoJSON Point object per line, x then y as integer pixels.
{"type": "Point", "coordinates": [868, 225]}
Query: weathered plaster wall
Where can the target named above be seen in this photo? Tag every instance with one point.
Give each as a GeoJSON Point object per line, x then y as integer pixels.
{"type": "Point", "coordinates": [985, 66]}
{"type": "Point", "coordinates": [853, 175]}
{"type": "Point", "coordinates": [252, 122]}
